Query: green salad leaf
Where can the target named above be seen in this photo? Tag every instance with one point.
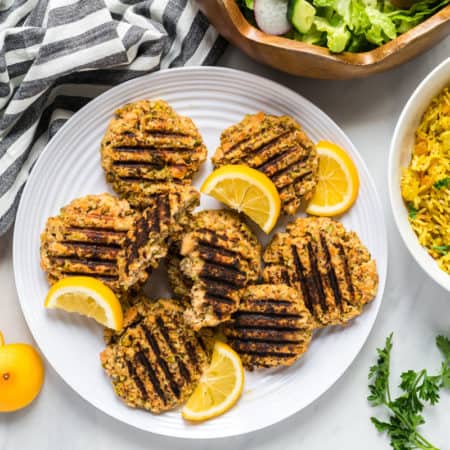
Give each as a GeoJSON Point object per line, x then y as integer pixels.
{"type": "Point", "coordinates": [381, 28]}
{"type": "Point", "coordinates": [421, 10]}
{"type": "Point", "coordinates": [357, 25]}
{"type": "Point", "coordinates": [337, 34]}
{"type": "Point", "coordinates": [247, 6]}
{"type": "Point", "coordinates": [365, 24]}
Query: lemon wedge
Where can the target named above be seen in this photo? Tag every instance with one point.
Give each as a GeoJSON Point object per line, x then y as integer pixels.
{"type": "Point", "coordinates": [89, 297]}
{"type": "Point", "coordinates": [338, 185]}
{"type": "Point", "coordinates": [246, 190]}
{"type": "Point", "coordinates": [219, 388]}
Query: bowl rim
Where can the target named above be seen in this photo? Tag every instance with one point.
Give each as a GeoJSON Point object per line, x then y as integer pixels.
{"type": "Point", "coordinates": [428, 88]}
{"type": "Point", "coordinates": [372, 57]}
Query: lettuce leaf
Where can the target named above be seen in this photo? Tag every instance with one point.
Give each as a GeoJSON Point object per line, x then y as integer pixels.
{"type": "Point", "coordinates": [382, 29]}
{"type": "Point", "coordinates": [360, 25]}
{"type": "Point", "coordinates": [337, 33]}
{"type": "Point", "coordinates": [249, 4]}
{"type": "Point", "coordinates": [421, 10]}
{"type": "Point", "coordinates": [357, 25]}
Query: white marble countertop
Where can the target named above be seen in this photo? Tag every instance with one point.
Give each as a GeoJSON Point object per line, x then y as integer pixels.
{"type": "Point", "coordinates": [414, 307]}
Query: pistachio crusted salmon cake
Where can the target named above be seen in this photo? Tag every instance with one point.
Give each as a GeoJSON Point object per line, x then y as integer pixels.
{"type": "Point", "coordinates": [180, 284]}
{"type": "Point", "coordinates": [103, 237]}
{"type": "Point", "coordinates": [278, 147]}
{"type": "Point", "coordinates": [328, 265]}
{"type": "Point", "coordinates": [148, 145]}
{"type": "Point", "coordinates": [147, 242]}
{"type": "Point", "coordinates": [271, 328]}
{"type": "Point", "coordinates": [220, 256]}
{"type": "Point", "coordinates": [87, 238]}
{"type": "Point", "coordinates": [156, 360]}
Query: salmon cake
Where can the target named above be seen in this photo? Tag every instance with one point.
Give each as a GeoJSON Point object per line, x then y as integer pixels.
{"type": "Point", "coordinates": [87, 238]}
{"type": "Point", "coordinates": [271, 328]}
{"type": "Point", "coordinates": [147, 147]}
{"type": "Point", "coordinates": [147, 241]}
{"type": "Point", "coordinates": [277, 147]}
{"type": "Point", "coordinates": [220, 256]}
{"type": "Point", "coordinates": [103, 237]}
{"type": "Point", "coordinates": [180, 284]}
{"type": "Point", "coordinates": [156, 360]}
{"type": "Point", "coordinates": [327, 265]}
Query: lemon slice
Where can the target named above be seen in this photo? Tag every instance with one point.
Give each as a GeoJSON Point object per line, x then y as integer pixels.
{"type": "Point", "coordinates": [219, 388]}
{"type": "Point", "coordinates": [246, 190]}
{"type": "Point", "coordinates": [338, 184]}
{"type": "Point", "coordinates": [89, 297]}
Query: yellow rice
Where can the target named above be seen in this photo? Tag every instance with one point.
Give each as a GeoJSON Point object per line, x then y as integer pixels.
{"type": "Point", "coordinates": [425, 184]}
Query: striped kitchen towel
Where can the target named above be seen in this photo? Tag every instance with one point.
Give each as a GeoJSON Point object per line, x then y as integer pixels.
{"type": "Point", "coordinates": [56, 55]}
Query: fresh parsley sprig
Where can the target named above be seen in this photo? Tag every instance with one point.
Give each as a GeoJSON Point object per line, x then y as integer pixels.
{"type": "Point", "coordinates": [412, 210]}
{"type": "Point", "coordinates": [418, 389]}
{"type": "Point", "coordinates": [443, 249]}
{"type": "Point", "coordinates": [443, 183]}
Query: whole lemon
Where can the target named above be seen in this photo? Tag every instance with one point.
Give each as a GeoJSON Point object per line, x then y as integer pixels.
{"type": "Point", "coordinates": [21, 375]}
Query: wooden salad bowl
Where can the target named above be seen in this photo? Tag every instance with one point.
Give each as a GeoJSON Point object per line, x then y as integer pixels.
{"type": "Point", "coordinates": [312, 61]}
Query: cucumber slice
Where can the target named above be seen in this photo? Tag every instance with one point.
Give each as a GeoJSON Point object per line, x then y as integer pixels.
{"type": "Point", "coordinates": [301, 14]}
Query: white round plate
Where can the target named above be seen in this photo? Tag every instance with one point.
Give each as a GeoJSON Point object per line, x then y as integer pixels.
{"type": "Point", "coordinates": [70, 167]}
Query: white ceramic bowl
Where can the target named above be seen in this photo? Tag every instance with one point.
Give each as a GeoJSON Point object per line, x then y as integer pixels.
{"type": "Point", "coordinates": [400, 154]}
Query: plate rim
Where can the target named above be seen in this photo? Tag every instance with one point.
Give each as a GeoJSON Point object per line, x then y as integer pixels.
{"type": "Point", "coordinates": [247, 76]}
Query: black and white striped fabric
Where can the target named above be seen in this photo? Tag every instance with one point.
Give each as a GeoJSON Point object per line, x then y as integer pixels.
{"type": "Point", "coordinates": [56, 55]}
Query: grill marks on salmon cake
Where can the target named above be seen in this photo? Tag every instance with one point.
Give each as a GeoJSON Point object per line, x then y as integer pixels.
{"type": "Point", "coordinates": [278, 147]}
{"type": "Point", "coordinates": [328, 266]}
{"type": "Point", "coordinates": [147, 242]}
{"type": "Point", "coordinates": [271, 328]}
{"type": "Point", "coordinates": [87, 238]}
{"type": "Point", "coordinates": [148, 145]}
{"type": "Point", "coordinates": [220, 256]}
{"type": "Point", "coordinates": [102, 237]}
{"type": "Point", "coordinates": [180, 284]}
{"type": "Point", "coordinates": [156, 360]}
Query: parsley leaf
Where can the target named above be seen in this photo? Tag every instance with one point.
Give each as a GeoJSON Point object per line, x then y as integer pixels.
{"type": "Point", "coordinates": [417, 390]}
{"type": "Point", "coordinates": [412, 211]}
{"type": "Point", "coordinates": [444, 249]}
{"type": "Point", "coordinates": [445, 375]}
{"type": "Point", "coordinates": [443, 344]}
{"type": "Point", "coordinates": [379, 390]}
{"type": "Point", "coordinates": [445, 182]}
{"type": "Point", "coordinates": [429, 389]}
